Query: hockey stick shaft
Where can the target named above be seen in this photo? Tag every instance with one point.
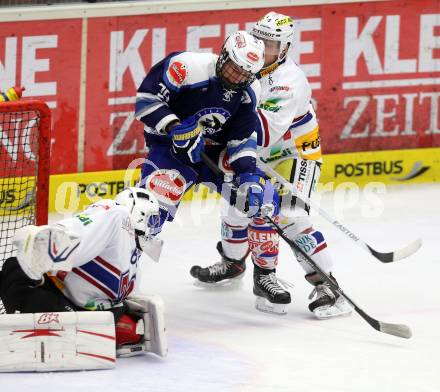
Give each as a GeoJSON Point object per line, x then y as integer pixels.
{"type": "Point", "coordinates": [384, 257]}
{"type": "Point", "coordinates": [399, 330]}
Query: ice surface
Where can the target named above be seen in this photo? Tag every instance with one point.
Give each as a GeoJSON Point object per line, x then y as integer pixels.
{"type": "Point", "coordinates": [219, 342]}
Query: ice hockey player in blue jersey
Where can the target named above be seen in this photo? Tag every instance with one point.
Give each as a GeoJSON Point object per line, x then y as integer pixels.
{"type": "Point", "coordinates": [193, 102]}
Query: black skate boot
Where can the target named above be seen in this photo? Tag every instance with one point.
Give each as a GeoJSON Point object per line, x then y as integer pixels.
{"type": "Point", "coordinates": [271, 296]}
{"type": "Point", "coordinates": [224, 271]}
{"type": "Point", "coordinates": [328, 303]}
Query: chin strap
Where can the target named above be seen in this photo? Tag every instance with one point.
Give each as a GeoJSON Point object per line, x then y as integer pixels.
{"type": "Point", "coordinates": [138, 233]}
{"type": "Point", "coordinates": [270, 68]}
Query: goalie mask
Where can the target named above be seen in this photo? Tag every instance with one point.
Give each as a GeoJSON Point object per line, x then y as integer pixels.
{"type": "Point", "coordinates": [241, 57]}
{"type": "Point", "coordinates": [276, 31]}
{"type": "Point", "coordinates": [144, 212]}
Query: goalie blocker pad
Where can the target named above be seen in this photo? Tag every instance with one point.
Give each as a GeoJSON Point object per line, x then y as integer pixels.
{"type": "Point", "coordinates": [57, 341]}
{"type": "Point", "coordinates": [150, 310]}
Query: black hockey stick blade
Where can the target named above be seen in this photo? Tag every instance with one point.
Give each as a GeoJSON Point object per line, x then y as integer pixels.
{"type": "Point", "coordinates": [389, 257]}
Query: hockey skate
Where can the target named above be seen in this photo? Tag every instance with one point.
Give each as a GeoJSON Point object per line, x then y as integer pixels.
{"type": "Point", "coordinates": [327, 304]}
{"type": "Point", "coordinates": [272, 297]}
{"type": "Point", "coordinates": [225, 272]}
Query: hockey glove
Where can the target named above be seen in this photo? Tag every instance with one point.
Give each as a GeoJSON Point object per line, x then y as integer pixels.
{"type": "Point", "coordinates": [257, 195]}
{"type": "Point", "coordinates": [188, 139]}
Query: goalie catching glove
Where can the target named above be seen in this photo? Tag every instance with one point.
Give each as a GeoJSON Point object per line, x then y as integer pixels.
{"type": "Point", "coordinates": [45, 248]}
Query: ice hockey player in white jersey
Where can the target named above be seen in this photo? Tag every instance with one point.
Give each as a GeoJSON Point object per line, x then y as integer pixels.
{"type": "Point", "coordinates": [85, 263]}
{"type": "Point", "coordinates": [289, 143]}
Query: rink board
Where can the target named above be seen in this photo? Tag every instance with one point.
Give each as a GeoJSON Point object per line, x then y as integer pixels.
{"type": "Point", "coordinates": [377, 90]}
{"type": "Point", "coordinates": [71, 192]}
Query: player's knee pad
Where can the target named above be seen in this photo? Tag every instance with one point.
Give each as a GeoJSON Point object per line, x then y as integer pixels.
{"type": "Point", "coordinates": [310, 241]}
{"type": "Point", "coordinates": [150, 325]}
{"type": "Point", "coordinates": [234, 240]}
{"type": "Point", "coordinates": [313, 243]}
{"type": "Point", "coordinates": [233, 231]}
{"type": "Point", "coordinates": [294, 226]}
{"type": "Point", "coordinates": [263, 243]}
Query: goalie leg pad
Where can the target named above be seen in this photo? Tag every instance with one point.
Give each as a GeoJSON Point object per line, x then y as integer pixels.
{"type": "Point", "coordinates": [151, 324]}
{"type": "Point", "coordinates": [57, 341]}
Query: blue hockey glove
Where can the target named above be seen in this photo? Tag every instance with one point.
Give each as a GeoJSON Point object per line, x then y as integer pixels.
{"type": "Point", "coordinates": [188, 139]}
{"type": "Point", "coordinates": [258, 194]}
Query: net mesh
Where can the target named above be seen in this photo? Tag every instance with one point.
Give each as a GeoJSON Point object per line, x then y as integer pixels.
{"type": "Point", "coordinates": [19, 138]}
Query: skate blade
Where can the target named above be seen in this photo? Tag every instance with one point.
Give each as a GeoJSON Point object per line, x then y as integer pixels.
{"type": "Point", "coordinates": [263, 305]}
{"type": "Point", "coordinates": [325, 313]}
{"type": "Point", "coordinates": [227, 284]}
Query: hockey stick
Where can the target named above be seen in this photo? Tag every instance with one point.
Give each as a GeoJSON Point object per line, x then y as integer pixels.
{"type": "Point", "coordinates": [384, 257]}
{"type": "Point", "coordinates": [399, 330]}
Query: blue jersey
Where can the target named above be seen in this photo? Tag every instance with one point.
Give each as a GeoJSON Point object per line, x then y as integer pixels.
{"type": "Point", "coordinates": [185, 84]}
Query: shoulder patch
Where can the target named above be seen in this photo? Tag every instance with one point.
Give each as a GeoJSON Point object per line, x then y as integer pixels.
{"type": "Point", "coordinates": [177, 72]}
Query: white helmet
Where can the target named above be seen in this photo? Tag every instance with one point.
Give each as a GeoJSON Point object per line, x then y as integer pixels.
{"type": "Point", "coordinates": [144, 210]}
{"type": "Point", "coordinates": [246, 52]}
{"type": "Point", "coordinates": [275, 27]}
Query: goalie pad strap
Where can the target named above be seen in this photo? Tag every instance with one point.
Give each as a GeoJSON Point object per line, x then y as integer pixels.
{"type": "Point", "coordinates": [150, 310]}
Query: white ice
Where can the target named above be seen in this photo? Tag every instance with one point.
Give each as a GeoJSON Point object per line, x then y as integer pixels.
{"type": "Point", "coordinates": [218, 342]}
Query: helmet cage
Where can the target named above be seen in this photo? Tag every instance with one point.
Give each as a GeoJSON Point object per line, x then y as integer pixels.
{"type": "Point", "coordinates": [143, 208]}
{"type": "Point", "coordinates": [221, 70]}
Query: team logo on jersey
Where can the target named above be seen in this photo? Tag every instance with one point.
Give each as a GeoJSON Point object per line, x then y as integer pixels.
{"type": "Point", "coordinates": [177, 73]}
{"type": "Point", "coordinates": [212, 119]}
{"type": "Point", "coordinates": [252, 56]}
{"type": "Point", "coordinates": [228, 94]}
{"type": "Point", "coordinates": [167, 185]}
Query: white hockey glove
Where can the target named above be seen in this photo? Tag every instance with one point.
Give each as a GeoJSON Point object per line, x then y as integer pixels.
{"type": "Point", "coordinates": [151, 325]}
{"type": "Point", "coordinates": [44, 248]}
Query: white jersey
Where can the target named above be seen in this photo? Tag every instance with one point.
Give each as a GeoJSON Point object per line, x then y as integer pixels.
{"type": "Point", "coordinates": [104, 269]}
{"type": "Point", "coordinates": [286, 114]}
